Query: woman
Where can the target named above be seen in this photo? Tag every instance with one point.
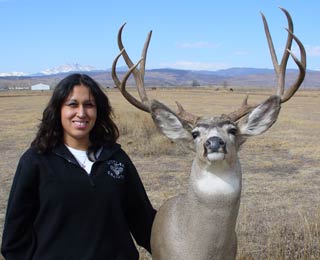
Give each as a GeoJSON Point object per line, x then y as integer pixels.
{"type": "Point", "coordinates": [76, 194]}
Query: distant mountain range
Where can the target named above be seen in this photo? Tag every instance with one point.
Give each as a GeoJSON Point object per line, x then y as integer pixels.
{"type": "Point", "coordinates": [52, 71]}
{"type": "Point", "coordinates": [67, 68]}
{"type": "Point", "coordinates": [233, 77]}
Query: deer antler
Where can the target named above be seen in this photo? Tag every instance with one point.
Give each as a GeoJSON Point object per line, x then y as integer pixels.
{"type": "Point", "coordinates": [138, 74]}
{"type": "Point", "coordinates": [280, 69]}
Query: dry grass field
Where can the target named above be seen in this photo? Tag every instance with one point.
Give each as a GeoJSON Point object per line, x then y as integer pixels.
{"type": "Point", "coordinates": [279, 216]}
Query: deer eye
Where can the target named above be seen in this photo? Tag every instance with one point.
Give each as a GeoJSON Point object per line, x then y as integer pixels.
{"type": "Point", "coordinates": [232, 131]}
{"type": "Point", "coordinates": [195, 134]}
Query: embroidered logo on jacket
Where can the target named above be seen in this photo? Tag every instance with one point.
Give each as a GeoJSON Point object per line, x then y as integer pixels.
{"type": "Point", "coordinates": [115, 169]}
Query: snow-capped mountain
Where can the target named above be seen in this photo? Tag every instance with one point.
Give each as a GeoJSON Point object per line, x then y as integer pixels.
{"type": "Point", "coordinates": [67, 68]}
{"type": "Point", "coordinates": [13, 74]}
{"type": "Point", "coordinates": [52, 71]}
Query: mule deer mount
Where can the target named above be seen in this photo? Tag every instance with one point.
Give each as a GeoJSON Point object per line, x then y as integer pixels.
{"type": "Point", "coordinates": [200, 224]}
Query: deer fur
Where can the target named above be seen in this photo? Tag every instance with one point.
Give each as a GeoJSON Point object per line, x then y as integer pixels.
{"type": "Point", "coordinates": [200, 224]}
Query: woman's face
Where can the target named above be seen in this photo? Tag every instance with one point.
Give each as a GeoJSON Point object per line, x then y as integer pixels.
{"type": "Point", "coordinates": [78, 116]}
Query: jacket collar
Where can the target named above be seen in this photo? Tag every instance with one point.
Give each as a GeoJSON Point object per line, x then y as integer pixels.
{"type": "Point", "coordinates": [107, 151]}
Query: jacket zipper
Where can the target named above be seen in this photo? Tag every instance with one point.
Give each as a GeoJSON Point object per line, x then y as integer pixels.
{"type": "Point", "coordinates": [74, 163]}
{"type": "Point", "coordinates": [89, 175]}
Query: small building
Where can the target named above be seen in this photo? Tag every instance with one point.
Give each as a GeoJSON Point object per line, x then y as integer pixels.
{"type": "Point", "coordinates": [40, 86]}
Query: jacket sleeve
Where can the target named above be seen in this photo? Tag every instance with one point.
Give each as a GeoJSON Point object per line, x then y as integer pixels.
{"type": "Point", "coordinates": [18, 235]}
{"type": "Point", "coordinates": [140, 211]}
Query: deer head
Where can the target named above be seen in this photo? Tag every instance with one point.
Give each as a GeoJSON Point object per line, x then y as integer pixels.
{"type": "Point", "coordinates": [215, 138]}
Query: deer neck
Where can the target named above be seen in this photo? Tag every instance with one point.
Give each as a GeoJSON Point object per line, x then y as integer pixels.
{"type": "Point", "coordinates": [217, 183]}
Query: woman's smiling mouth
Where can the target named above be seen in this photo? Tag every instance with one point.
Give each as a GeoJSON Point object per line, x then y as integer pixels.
{"type": "Point", "coordinates": [80, 124]}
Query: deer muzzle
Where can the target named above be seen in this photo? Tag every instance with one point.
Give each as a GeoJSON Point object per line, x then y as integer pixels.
{"type": "Point", "coordinates": [215, 144]}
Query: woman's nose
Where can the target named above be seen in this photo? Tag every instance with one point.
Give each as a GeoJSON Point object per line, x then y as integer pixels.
{"type": "Point", "coordinates": [81, 112]}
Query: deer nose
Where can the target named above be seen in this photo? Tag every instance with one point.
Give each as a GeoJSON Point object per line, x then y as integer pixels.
{"type": "Point", "coordinates": [215, 144]}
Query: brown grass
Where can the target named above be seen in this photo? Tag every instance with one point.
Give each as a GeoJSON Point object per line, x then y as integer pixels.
{"type": "Point", "coordinates": [279, 216]}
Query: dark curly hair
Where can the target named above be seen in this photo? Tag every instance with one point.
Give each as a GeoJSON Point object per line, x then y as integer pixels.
{"type": "Point", "coordinates": [50, 132]}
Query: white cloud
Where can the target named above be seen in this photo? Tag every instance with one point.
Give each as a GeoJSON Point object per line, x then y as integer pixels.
{"type": "Point", "coordinates": [313, 51]}
{"type": "Point", "coordinates": [191, 65]}
{"type": "Point", "coordinates": [197, 45]}
{"type": "Point", "coordinates": [241, 53]}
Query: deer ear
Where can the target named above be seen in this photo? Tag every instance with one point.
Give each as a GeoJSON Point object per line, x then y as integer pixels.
{"type": "Point", "coordinates": [169, 123]}
{"type": "Point", "coordinates": [261, 118]}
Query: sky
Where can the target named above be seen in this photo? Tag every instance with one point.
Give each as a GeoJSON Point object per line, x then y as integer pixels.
{"type": "Point", "coordinates": [36, 35]}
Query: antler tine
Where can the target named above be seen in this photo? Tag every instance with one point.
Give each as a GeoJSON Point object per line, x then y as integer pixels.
{"type": "Point", "coordinates": [270, 44]}
{"type": "Point", "coordinates": [182, 113]}
{"type": "Point", "coordinates": [185, 115]}
{"type": "Point", "coordinates": [137, 73]}
{"type": "Point", "coordinates": [280, 69]}
{"type": "Point", "coordinates": [144, 55]}
{"type": "Point", "coordinates": [113, 71]}
{"type": "Point", "coordinates": [242, 111]}
{"type": "Point", "coordinates": [121, 47]}
{"type": "Point", "coordinates": [122, 84]}
{"type": "Point", "coordinates": [302, 64]}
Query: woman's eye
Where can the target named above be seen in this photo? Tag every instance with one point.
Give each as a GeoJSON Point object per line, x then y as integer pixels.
{"type": "Point", "coordinates": [195, 134]}
{"type": "Point", "coordinates": [89, 105]}
{"type": "Point", "coordinates": [72, 104]}
{"type": "Point", "coordinates": [233, 131]}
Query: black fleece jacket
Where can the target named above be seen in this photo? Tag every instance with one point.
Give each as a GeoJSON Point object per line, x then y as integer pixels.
{"type": "Point", "coordinates": [56, 211]}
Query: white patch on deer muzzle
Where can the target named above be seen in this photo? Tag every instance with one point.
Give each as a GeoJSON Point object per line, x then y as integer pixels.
{"type": "Point", "coordinates": [216, 156]}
